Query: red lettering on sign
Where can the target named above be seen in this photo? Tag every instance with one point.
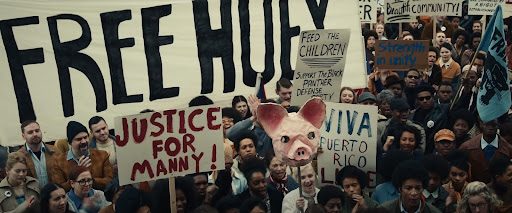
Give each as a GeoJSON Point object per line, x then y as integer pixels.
{"type": "Point", "coordinates": [160, 168]}
{"type": "Point", "coordinates": [169, 114]}
{"type": "Point", "coordinates": [138, 138]}
{"type": "Point", "coordinates": [211, 118]}
{"type": "Point", "coordinates": [157, 148]}
{"type": "Point", "coordinates": [188, 139]}
{"type": "Point", "coordinates": [191, 120]}
{"type": "Point", "coordinates": [182, 122]}
{"type": "Point", "coordinates": [142, 169]}
{"type": "Point", "coordinates": [155, 123]}
{"type": "Point", "coordinates": [176, 142]}
{"type": "Point", "coordinates": [126, 134]}
{"type": "Point", "coordinates": [197, 159]}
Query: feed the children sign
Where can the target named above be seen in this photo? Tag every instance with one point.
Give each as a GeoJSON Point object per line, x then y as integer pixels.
{"type": "Point", "coordinates": [170, 143]}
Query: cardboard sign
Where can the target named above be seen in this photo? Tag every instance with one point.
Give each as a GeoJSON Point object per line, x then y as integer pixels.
{"type": "Point", "coordinates": [401, 55]}
{"type": "Point", "coordinates": [484, 7]}
{"type": "Point", "coordinates": [170, 143]}
{"type": "Point", "coordinates": [348, 137]}
{"type": "Point", "coordinates": [407, 10]}
{"type": "Point", "coordinates": [368, 11]}
{"type": "Point", "coordinates": [320, 65]}
{"type": "Point", "coordinates": [71, 60]}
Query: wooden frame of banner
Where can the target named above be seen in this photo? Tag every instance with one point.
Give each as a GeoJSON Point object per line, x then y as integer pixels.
{"type": "Point", "coordinates": [434, 27]}
{"type": "Point", "coordinates": [172, 193]}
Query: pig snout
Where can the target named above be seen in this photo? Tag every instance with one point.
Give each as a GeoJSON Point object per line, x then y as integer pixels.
{"type": "Point", "coordinates": [301, 154]}
{"type": "Point", "coordinates": [299, 151]}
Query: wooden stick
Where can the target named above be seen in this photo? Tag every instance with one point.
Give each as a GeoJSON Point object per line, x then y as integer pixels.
{"type": "Point", "coordinates": [461, 81]}
{"type": "Point", "coordinates": [300, 184]}
{"type": "Point", "coordinates": [400, 30]}
{"type": "Point", "coordinates": [434, 26]}
{"type": "Point", "coordinates": [172, 194]}
{"type": "Point", "coordinates": [484, 23]}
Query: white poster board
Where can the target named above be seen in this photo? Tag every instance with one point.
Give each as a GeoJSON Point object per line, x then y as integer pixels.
{"type": "Point", "coordinates": [348, 137]}
{"type": "Point", "coordinates": [320, 65]}
{"type": "Point", "coordinates": [170, 143]}
{"type": "Point", "coordinates": [484, 7]}
{"type": "Point", "coordinates": [67, 60]}
{"type": "Point", "coordinates": [406, 11]}
{"type": "Point", "coordinates": [368, 11]}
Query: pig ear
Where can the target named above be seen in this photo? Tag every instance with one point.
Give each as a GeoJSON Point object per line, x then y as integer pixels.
{"type": "Point", "coordinates": [313, 111]}
{"type": "Point", "coordinates": [270, 116]}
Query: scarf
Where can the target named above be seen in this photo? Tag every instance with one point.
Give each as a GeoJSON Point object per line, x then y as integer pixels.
{"type": "Point", "coordinates": [280, 184]}
{"type": "Point", "coordinates": [458, 194]}
{"type": "Point", "coordinates": [265, 200]}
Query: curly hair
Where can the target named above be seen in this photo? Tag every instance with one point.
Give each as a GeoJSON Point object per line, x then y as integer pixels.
{"type": "Point", "coordinates": [437, 165]}
{"type": "Point", "coordinates": [460, 33]}
{"type": "Point", "coordinates": [15, 157]}
{"type": "Point", "coordinates": [329, 192]}
{"type": "Point", "coordinates": [410, 169]}
{"type": "Point", "coordinates": [352, 172]}
{"type": "Point", "coordinates": [478, 189]}
{"type": "Point", "coordinates": [397, 133]}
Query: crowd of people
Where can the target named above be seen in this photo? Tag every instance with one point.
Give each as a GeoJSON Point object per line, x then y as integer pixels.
{"type": "Point", "coordinates": [434, 153]}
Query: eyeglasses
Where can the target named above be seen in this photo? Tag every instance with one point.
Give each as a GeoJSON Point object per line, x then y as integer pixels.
{"type": "Point", "coordinates": [83, 182]}
{"type": "Point", "coordinates": [478, 205]}
{"type": "Point", "coordinates": [413, 76]}
{"type": "Point", "coordinates": [424, 98]}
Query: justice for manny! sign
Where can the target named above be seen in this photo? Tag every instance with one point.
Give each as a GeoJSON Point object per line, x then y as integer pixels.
{"type": "Point", "coordinates": [170, 143]}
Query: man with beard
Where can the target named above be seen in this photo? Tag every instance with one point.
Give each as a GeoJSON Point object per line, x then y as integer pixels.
{"type": "Point", "coordinates": [39, 156]}
{"type": "Point", "coordinates": [432, 116]}
{"type": "Point", "coordinates": [80, 155]}
{"type": "Point", "coordinates": [433, 75]}
{"type": "Point", "coordinates": [399, 117]}
{"type": "Point", "coordinates": [485, 147]}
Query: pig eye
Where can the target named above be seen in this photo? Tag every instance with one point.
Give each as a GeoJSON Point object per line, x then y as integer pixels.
{"type": "Point", "coordinates": [285, 139]}
{"type": "Point", "coordinates": [311, 135]}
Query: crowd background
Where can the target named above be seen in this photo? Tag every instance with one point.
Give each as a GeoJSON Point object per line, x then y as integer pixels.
{"type": "Point", "coordinates": [434, 153]}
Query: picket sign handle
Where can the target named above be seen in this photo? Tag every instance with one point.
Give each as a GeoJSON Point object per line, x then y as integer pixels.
{"type": "Point", "coordinates": [172, 193]}
{"type": "Point", "coordinates": [258, 83]}
{"type": "Point", "coordinates": [400, 30]}
{"type": "Point", "coordinates": [300, 184]}
{"type": "Point", "coordinates": [434, 28]}
{"type": "Point", "coordinates": [484, 23]}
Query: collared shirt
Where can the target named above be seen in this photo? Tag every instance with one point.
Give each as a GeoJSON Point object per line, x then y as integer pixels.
{"type": "Point", "coordinates": [72, 156]}
{"type": "Point", "coordinates": [484, 143]}
{"type": "Point", "coordinates": [430, 197]}
{"type": "Point", "coordinates": [78, 203]}
{"type": "Point", "coordinates": [447, 64]}
{"type": "Point", "coordinates": [40, 165]}
{"type": "Point", "coordinates": [402, 209]}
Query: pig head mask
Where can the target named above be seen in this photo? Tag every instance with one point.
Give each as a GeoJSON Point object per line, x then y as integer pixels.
{"type": "Point", "coordinates": [295, 136]}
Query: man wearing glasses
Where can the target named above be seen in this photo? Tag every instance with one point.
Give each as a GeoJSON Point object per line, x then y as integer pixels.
{"type": "Point", "coordinates": [412, 81]}
{"type": "Point", "coordinates": [430, 114]}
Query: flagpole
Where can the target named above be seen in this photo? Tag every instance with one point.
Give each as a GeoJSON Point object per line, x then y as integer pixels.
{"type": "Point", "coordinates": [463, 77]}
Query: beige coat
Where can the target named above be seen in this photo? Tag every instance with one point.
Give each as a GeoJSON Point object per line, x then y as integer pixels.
{"type": "Point", "coordinates": [8, 203]}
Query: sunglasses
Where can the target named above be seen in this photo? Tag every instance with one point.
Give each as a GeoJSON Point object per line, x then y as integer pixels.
{"type": "Point", "coordinates": [413, 77]}
{"type": "Point", "coordinates": [424, 98]}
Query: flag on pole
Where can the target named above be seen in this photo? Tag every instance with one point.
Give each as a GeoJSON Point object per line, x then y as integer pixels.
{"type": "Point", "coordinates": [260, 87]}
{"type": "Point", "coordinates": [494, 91]}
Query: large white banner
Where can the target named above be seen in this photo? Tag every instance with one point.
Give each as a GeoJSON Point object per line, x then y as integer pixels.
{"type": "Point", "coordinates": [368, 11]}
{"type": "Point", "coordinates": [320, 65]}
{"type": "Point", "coordinates": [348, 137]}
{"type": "Point", "coordinates": [67, 60]}
{"type": "Point", "coordinates": [170, 143]}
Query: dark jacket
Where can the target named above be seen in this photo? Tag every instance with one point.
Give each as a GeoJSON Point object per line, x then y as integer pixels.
{"type": "Point", "coordinates": [393, 206]}
{"type": "Point", "coordinates": [276, 199]}
{"type": "Point", "coordinates": [476, 157]}
{"type": "Point", "coordinates": [440, 201]}
{"type": "Point", "coordinates": [439, 115]}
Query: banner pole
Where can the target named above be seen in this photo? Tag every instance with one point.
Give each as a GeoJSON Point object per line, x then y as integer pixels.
{"type": "Point", "coordinates": [172, 193]}
{"type": "Point", "coordinates": [300, 184]}
{"type": "Point", "coordinates": [434, 28]}
{"type": "Point", "coordinates": [400, 31]}
{"type": "Point", "coordinates": [461, 82]}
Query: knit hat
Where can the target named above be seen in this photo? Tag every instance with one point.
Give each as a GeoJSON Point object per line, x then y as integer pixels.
{"type": "Point", "coordinates": [130, 200]}
{"type": "Point", "coordinates": [73, 129]}
{"type": "Point", "coordinates": [444, 134]}
{"type": "Point", "coordinates": [366, 96]}
{"type": "Point", "coordinates": [398, 104]}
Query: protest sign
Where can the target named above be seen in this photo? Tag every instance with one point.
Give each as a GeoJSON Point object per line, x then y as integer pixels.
{"type": "Point", "coordinates": [484, 7]}
{"type": "Point", "coordinates": [381, 3]}
{"type": "Point", "coordinates": [320, 65]}
{"type": "Point", "coordinates": [170, 143]}
{"type": "Point", "coordinates": [407, 10]}
{"type": "Point", "coordinates": [401, 55]}
{"type": "Point", "coordinates": [348, 137]}
{"type": "Point", "coordinates": [368, 11]}
{"type": "Point", "coordinates": [71, 60]}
